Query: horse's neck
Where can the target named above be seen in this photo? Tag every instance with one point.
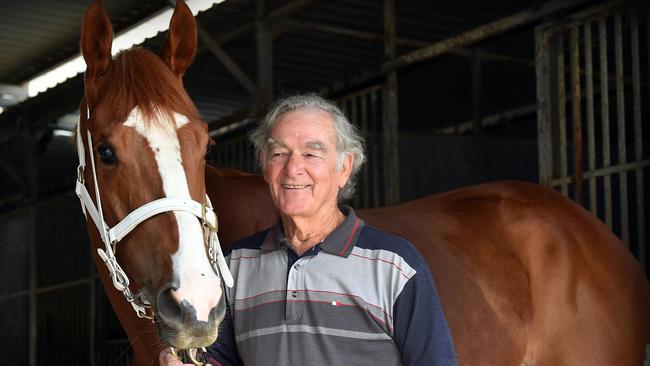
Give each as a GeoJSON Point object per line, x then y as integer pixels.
{"type": "Point", "coordinates": [241, 201]}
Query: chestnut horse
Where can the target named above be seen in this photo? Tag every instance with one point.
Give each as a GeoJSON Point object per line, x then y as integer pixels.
{"type": "Point", "coordinates": [525, 276]}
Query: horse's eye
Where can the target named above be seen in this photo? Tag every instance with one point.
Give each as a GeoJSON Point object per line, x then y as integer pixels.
{"type": "Point", "coordinates": [106, 154]}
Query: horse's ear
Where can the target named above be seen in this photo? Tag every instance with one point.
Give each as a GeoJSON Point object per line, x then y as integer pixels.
{"type": "Point", "coordinates": [96, 42]}
{"type": "Point", "coordinates": [179, 46]}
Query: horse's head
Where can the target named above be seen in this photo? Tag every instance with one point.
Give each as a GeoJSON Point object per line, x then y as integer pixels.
{"type": "Point", "coordinates": [144, 145]}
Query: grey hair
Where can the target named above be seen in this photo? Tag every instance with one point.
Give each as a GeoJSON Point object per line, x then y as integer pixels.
{"type": "Point", "coordinates": [348, 138]}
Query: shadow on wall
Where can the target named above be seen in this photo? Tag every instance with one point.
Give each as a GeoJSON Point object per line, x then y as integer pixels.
{"type": "Point", "coordinates": [438, 163]}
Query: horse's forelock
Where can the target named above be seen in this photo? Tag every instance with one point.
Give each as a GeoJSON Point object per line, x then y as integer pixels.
{"type": "Point", "coordinates": [139, 78]}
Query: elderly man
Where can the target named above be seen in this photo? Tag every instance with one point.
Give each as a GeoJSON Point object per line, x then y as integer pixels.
{"type": "Point", "coordinates": [321, 287]}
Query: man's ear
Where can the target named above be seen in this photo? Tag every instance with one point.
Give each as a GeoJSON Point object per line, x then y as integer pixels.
{"type": "Point", "coordinates": [96, 42]}
{"type": "Point", "coordinates": [179, 47]}
{"type": "Point", "coordinates": [346, 169]}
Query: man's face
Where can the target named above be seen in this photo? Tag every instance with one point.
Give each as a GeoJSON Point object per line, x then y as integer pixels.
{"type": "Point", "coordinates": [300, 166]}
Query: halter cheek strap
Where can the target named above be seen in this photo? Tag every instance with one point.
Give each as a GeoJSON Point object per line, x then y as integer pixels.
{"type": "Point", "coordinates": [111, 236]}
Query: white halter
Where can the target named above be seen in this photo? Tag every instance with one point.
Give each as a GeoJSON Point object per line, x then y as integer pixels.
{"type": "Point", "coordinates": [111, 236]}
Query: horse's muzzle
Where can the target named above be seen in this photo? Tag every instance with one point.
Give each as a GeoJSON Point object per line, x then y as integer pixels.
{"type": "Point", "coordinates": [178, 324]}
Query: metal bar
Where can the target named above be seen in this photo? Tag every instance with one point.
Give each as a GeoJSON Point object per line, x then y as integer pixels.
{"type": "Point", "coordinates": [226, 60]}
{"type": "Point", "coordinates": [604, 105]}
{"type": "Point", "coordinates": [604, 172]}
{"type": "Point", "coordinates": [620, 112]}
{"type": "Point", "coordinates": [493, 119]}
{"type": "Point", "coordinates": [544, 143]}
{"type": "Point", "coordinates": [374, 148]}
{"type": "Point", "coordinates": [591, 133]}
{"type": "Point", "coordinates": [264, 47]}
{"type": "Point", "coordinates": [33, 315]}
{"type": "Point", "coordinates": [12, 173]}
{"type": "Point", "coordinates": [390, 130]}
{"type": "Point", "coordinates": [638, 135]}
{"type": "Point", "coordinates": [476, 92]}
{"type": "Point", "coordinates": [31, 178]}
{"type": "Point", "coordinates": [354, 119]}
{"type": "Point", "coordinates": [643, 248]}
{"type": "Point", "coordinates": [561, 92]}
{"type": "Point", "coordinates": [240, 154]}
{"type": "Point", "coordinates": [92, 314]}
{"type": "Point", "coordinates": [365, 174]}
{"type": "Point", "coordinates": [577, 114]}
{"type": "Point", "coordinates": [233, 154]}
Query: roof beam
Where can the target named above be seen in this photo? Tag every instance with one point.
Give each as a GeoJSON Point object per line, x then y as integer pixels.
{"type": "Point", "coordinates": [273, 15]}
{"type": "Point", "coordinates": [461, 40]}
{"type": "Point", "coordinates": [226, 60]}
{"type": "Point", "coordinates": [407, 42]}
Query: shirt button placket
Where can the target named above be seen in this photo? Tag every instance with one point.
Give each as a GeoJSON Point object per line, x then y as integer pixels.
{"type": "Point", "coordinates": [296, 283]}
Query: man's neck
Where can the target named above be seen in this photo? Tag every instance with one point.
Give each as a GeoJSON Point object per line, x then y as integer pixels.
{"type": "Point", "coordinates": [303, 233]}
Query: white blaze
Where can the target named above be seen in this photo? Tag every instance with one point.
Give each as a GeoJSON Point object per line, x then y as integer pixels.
{"type": "Point", "coordinates": [198, 283]}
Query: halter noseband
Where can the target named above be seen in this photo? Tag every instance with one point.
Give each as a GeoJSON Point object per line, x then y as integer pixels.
{"type": "Point", "coordinates": [111, 236]}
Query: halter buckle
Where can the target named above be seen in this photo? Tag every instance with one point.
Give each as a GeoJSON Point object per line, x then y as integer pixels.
{"type": "Point", "coordinates": [206, 222]}
{"type": "Point", "coordinates": [80, 174]}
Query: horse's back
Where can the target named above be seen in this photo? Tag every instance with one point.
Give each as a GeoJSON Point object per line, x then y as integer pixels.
{"type": "Point", "coordinates": [526, 276]}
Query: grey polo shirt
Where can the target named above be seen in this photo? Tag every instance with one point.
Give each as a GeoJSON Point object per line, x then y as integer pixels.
{"type": "Point", "coordinates": [360, 297]}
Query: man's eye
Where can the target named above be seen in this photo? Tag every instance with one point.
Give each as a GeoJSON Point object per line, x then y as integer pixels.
{"type": "Point", "coordinates": [106, 154]}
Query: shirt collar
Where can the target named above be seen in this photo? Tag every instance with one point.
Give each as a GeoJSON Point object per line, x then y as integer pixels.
{"type": "Point", "coordinates": [339, 242]}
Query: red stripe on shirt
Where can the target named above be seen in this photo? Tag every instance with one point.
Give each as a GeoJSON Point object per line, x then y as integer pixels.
{"type": "Point", "coordinates": [354, 230]}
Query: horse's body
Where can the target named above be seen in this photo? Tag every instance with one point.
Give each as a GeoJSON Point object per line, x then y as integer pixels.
{"type": "Point", "coordinates": [526, 277]}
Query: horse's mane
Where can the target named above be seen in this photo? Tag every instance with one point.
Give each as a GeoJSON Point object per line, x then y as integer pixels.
{"type": "Point", "coordinates": [137, 77]}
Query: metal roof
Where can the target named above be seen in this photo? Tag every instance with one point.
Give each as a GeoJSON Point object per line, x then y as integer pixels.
{"type": "Point", "coordinates": [38, 34]}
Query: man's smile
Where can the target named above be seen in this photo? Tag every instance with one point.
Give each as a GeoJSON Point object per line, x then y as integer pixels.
{"type": "Point", "coordinates": [295, 186]}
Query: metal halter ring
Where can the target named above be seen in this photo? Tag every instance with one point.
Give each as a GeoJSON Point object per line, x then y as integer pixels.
{"type": "Point", "coordinates": [206, 222]}
{"type": "Point", "coordinates": [189, 354]}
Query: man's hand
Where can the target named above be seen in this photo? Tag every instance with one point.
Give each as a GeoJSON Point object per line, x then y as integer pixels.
{"type": "Point", "coordinates": [167, 359]}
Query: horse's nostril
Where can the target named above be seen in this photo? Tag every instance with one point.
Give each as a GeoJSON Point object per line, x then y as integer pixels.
{"type": "Point", "coordinates": [168, 308]}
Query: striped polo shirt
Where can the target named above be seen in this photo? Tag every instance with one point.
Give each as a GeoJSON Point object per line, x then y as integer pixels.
{"type": "Point", "coordinates": [360, 297]}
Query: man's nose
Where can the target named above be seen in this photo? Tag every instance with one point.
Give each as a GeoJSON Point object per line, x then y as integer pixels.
{"type": "Point", "coordinates": [294, 165]}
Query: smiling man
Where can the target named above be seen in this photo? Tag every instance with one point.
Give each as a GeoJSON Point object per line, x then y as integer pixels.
{"type": "Point", "coordinates": [321, 287]}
